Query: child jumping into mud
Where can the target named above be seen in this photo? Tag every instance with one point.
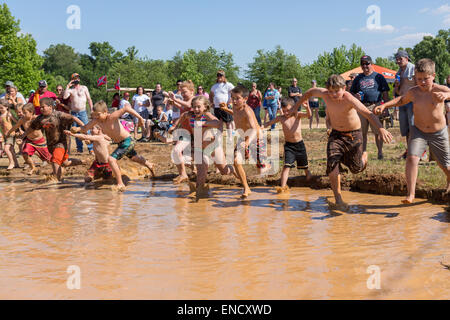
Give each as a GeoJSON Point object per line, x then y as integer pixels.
{"type": "Point", "coordinates": [54, 123]}
{"type": "Point", "coordinates": [34, 142]}
{"type": "Point", "coordinates": [345, 140]}
{"type": "Point", "coordinates": [429, 123]}
{"type": "Point", "coordinates": [111, 126]}
{"type": "Point", "coordinates": [6, 123]}
{"type": "Point", "coordinates": [250, 133]}
{"type": "Point", "coordinates": [294, 147]}
{"type": "Point", "coordinates": [100, 167]}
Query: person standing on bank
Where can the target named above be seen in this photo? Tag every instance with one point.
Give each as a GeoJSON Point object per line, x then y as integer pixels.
{"type": "Point", "coordinates": [254, 101]}
{"type": "Point", "coordinates": [406, 82]}
{"type": "Point", "coordinates": [294, 91]}
{"type": "Point", "coordinates": [371, 88]}
{"type": "Point", "coordinates": [314, 106]}
{"type": "Point", "coordinates": [78, 95]}
{"type": "Point", "coordinates": [221, 93]}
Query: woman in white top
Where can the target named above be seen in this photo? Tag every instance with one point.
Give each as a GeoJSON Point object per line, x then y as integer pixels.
{"type": "Point", "coordinates": [221, 93]}
{"type": "Point", "coordinates": [140, 103]}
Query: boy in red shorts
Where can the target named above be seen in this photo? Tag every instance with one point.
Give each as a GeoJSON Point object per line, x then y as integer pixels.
{"type": "Point", "coordinates": [100, 167]}
{"type": "Point", "coordinates": [54, 123]}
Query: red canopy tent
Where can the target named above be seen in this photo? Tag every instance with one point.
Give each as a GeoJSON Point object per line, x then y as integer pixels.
{"type": "Point", "coordinates": [387, 73]}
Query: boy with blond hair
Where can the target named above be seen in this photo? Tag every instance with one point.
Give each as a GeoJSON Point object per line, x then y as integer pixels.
{"type": "Point", "coordinates": [294, 147]}
{"type": "Point", "coordinates": [112, 127]}
{"type": "Point", "coordinates": [429, 123]}
{"type": "Point", "coordinates": [100, 167]}
{"type": "Point", "coordinates": [345, 143]}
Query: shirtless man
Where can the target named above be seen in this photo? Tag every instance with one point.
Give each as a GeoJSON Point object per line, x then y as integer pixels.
{"type": "Point", "coordinates": [112, 127]}
{"type": "Point", "coordinates": [429, 123]}
{"type": "Point", "coordinates": [250, 134]}
{"type": "Point", "coordinates": [78, 95]}
{"type": "Point", "coordinates": [294, 147]}
{"type": "Point", "coordinates": [345, 144]}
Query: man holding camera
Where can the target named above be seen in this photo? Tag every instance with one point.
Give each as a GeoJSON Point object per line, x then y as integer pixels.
{"type": "Point", "coordinates": [78, 95]}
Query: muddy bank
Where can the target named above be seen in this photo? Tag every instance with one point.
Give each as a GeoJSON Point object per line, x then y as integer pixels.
{"type": "Point", "coordinates": [159, 154]}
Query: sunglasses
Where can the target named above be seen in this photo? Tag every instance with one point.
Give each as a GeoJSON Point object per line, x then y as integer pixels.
{"type": "Point", "coordinates": [366, 64]}
{"type": "Point", "coordinates": [220, 75]}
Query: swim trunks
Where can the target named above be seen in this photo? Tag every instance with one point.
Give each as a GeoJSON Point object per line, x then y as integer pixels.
{"type": "Point", "coordinates": [39, 146]}
{"type": "Point", "coordinates": [223, 115]}
{"type": "Point", "coordinates": [125, 148]}
{"type": "Point", "coordinates": [260, 153]}
{"type": "Point", "coordinates": [438, 142]}
{"type": "Point", "coordinates": [100, 170]}
{"type": "Point", "coordinates": [59, 156]}
{"type": "Point", "coordinates": [295, 151]}
{"type": "Point", "coordinates": [345, 148]}
{"type": "Point", "coordinates": [314, 104]}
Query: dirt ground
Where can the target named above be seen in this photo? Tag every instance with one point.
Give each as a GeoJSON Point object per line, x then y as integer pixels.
{"type": "Point", "coordinates": [381, 176]}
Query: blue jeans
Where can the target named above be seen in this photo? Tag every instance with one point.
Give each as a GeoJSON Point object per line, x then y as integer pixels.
{"type": "Point", "coordinates": [257, 112]}
{"type": "Point", "coordinates": [82, 115]}
{"type": "Point", "coordinates": [406, 119]}
{"type": "Point", "coordinates": [272, 110]}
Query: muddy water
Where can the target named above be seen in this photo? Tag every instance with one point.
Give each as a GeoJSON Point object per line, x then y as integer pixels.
{"type": "Point", "coordinates": [153, 243]}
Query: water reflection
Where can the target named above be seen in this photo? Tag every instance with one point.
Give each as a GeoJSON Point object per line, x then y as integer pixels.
{"type": "Point", "coordinates": [151, 242]}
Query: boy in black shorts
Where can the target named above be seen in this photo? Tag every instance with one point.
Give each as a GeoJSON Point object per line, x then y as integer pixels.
{"type": "Point", "coordinates": [294, 147]}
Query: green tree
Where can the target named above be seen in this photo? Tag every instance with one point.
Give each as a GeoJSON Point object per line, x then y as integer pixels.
{"type": "Point", "coordinates": [437, 49]}
{"type": "Point", "coordinates": [386, 63]}
{"type": "Point", "coordinates": [276, 66]}
{"type": "Point", "coordinates": [61, 60]}
{"type": "Point", "coordinates": [18, 57]}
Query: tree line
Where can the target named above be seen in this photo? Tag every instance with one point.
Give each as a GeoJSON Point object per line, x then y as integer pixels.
{"type": "Point", "coordinates": [22, 64]}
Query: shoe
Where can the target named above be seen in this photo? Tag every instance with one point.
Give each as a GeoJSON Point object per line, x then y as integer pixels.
{"type": "Point", "coordinates": [380, 157]}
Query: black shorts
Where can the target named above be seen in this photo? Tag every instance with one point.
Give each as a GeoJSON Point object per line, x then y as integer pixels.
{"type": "Point", "coordinates": [295, 152]}
{"type": "Point", "coordinates": [222, 115]}
{"type": "Point", "coordinates": [314, 104]}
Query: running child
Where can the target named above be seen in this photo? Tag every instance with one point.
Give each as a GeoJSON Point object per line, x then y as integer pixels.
{"type": "Point", "coordinates": [53, 123]}
{"type": "Point", "coordinates": [34, 142]}
{"type": "Point", "coordinates": [112, 127]}
{"type": "Point", "coordinates": [429, 123]}
{"type": "Point", "coordinates": [100, 167]}
{"type": "Point", "coordinates": [250, 133]}
{"type": "Point", "coordinates": [6, 123]}
{"type": "Point", "coordinates": [294, 147]}
{"type": "Point", "coordinates": [345, 140]}
{"type": "Point", "coordinates": [200, 117]}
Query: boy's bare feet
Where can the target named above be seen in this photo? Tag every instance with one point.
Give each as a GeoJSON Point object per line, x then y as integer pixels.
{"type": "Point", "coordinates": [151, 167]}
{"type": "Point", "coordinates": [284, 189]}
{"type": "Point", "coordinates": [365, 158]}
{"type": "Point", "coordinates": [202, 192]}
{"type": "Point", "coordinates": [408, 200]}
{"type": "Point", "coordinates": [10, 167]}
{"type": "Point", "coordinates": [246, 193]}
{"type": "Point", "coordinates": [119, 188]}
{"type": "Point", "coordinates": [32, 171]}
{"type": "Point", "coordinates": [88, 179]}
{"type": "Point", "coordinates": [180, 179]}
{"type": "Point", "coordinates": [309, 176]}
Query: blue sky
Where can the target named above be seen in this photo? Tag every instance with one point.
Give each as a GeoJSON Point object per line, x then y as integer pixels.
{"type": "Point", "coordinates": [159, 29]}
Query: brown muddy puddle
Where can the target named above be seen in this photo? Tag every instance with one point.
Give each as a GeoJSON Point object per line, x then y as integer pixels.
{"type": "Point", "coordinates": [152, 243]}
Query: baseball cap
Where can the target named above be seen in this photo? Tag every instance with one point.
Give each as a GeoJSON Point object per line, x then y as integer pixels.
{"type": "Point", "coordinates": [75, 76]}
{"type": "Point", "coordinates": [42, 83]}
{"type": "Point", "coordinates": [401, 54]}
{"type": "Point", "coordinates": [366, 59]}
{"type": "Point", "coordinates": [220, 73]}
{"type": "Point", "coordinates": [9, 84]}
{"type": "Point", "coordinates": [32, 91]}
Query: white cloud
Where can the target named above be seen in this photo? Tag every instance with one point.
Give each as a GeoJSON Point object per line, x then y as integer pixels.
{"type": "Point", "coordinates": [446, 21]}
{"type": "Point", "coordinates": [345, 30]}
{"type": "Point", "coordinates": [424, 10]}
{"type": "Point", "coordinates": [381, 29]}
{"type": "Point", "coordinates": [444, 9]}
{"type": "Point", "coordinates": [409, 39]}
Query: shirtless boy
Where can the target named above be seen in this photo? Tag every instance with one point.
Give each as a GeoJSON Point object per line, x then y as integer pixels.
{"type": "Point", "coordinates": [429, 123]}
{"type": "Point", "coordinates": [54, 123]}
{"type": "Point", "coordinates": [100, 167]}
{"type": "Point", "coordinates": [345, 140]}
{"type": "Point", "coordinates": [34, 141]}
{"type": "Point", "coordinates": [294, 147]}
{"type": "Point", "coordinates": [6, 123]}
{"type": "Point", "coordinates": [250, 134]}
{"type": "Point", "coordinates": [112, 127]}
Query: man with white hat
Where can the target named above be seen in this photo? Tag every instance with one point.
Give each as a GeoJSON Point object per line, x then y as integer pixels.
{"type": "Point", "coordinates": [78, 95]}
